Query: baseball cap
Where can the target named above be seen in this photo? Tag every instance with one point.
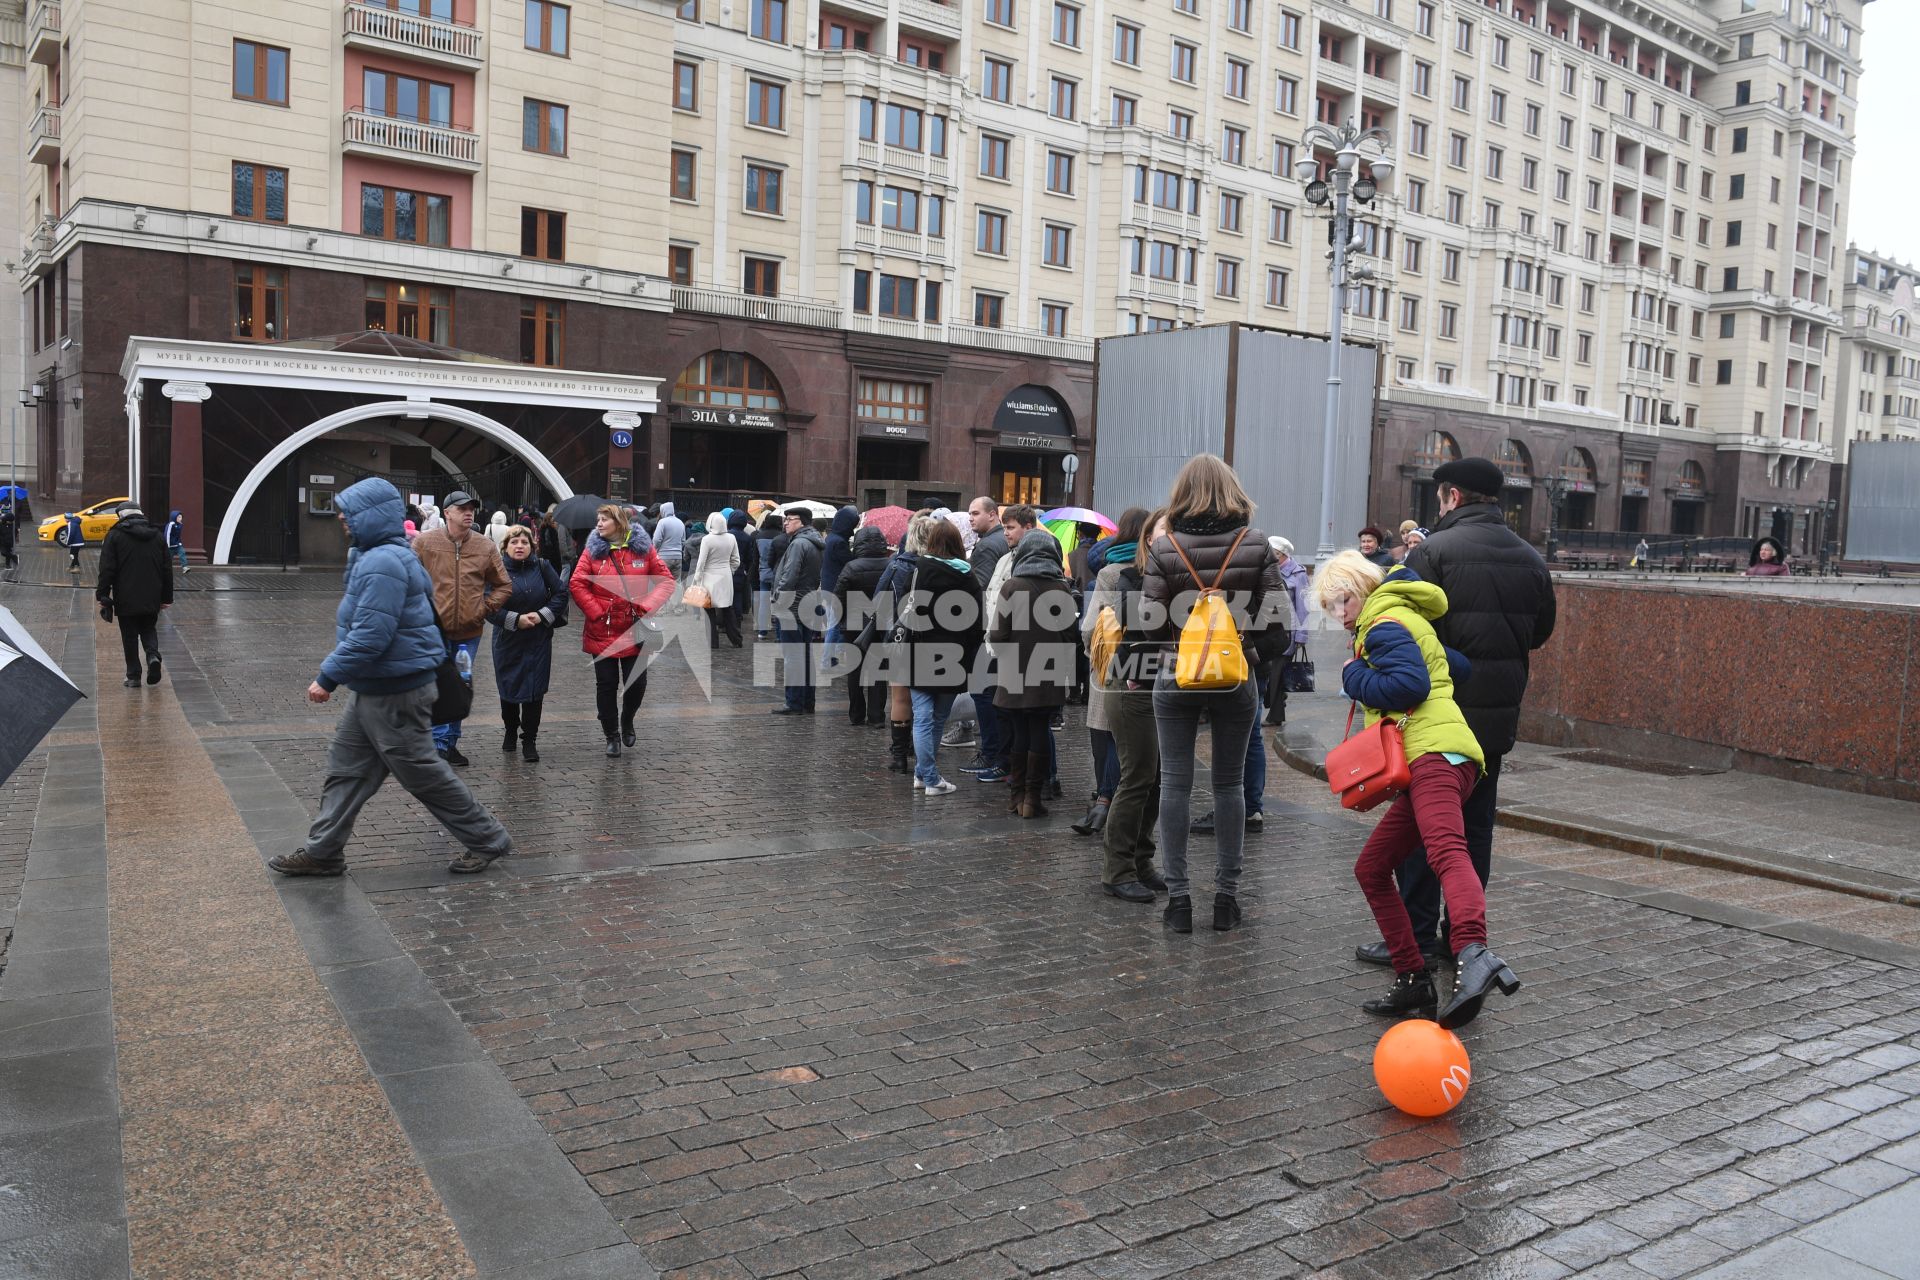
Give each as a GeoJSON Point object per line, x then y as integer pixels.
{"type": "Point", "coordinates": [460, 498]}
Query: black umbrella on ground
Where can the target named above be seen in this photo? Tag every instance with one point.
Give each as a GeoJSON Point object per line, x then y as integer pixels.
{"type": "Point", "coordinates": [577, 512]}
{"type": "Point", "coordinates": [33, 689]}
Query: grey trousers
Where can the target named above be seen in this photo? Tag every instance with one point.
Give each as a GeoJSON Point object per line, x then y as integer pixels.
{"type": "Point", "coordinates": [389, 733]}
{"type": "Point", "coordinates": [1129, 830]}
{"type": "Point", "coordinates": [1176, 714]}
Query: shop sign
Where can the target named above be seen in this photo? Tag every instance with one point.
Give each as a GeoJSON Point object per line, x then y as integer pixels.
{"type": "Point", "coordinates": [1046, 444]}
{"type": "Point", "coordinates": [1032, 410]}
{"type": "Point", "coordinates": [693, 415]}
{"type": "Point", "coordinates": [895, 431]}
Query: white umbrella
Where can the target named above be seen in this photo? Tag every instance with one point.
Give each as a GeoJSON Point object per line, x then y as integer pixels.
{"type": "Point", "coordinates": [33, 689]}
{"type": "Point", "coordinates": [813, 510]}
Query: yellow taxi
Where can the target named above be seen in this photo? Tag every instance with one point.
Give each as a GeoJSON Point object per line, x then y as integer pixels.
{"type": "Point", "coordinates": [94, 521]}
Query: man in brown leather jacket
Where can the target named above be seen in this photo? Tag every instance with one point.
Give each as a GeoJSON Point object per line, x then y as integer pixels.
{"type": "Point", "coordinates": [469, 582]}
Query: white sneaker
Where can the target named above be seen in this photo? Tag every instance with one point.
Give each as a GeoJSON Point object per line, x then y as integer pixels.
{"type": "Point", "coordinates": [941, 788]}
{"type": "Point", "coordinates": [919, 785]}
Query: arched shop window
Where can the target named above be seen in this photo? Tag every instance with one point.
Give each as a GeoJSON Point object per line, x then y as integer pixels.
{"type": "Point", "coordinates": [1513, 461]}
{"type": "Point", "coordinates": [731, 379]}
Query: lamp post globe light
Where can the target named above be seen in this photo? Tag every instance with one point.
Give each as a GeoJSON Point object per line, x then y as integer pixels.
{"type": "Point", "coordinates": [1344, 182]}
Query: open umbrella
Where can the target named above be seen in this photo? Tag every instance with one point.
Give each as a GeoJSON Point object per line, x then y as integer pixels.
{"type": "Point", "coordinates": [814, 510]}
{"type": "Point", "coordinates": [1064, 523]}
{"type": "Point", "coordinates": [890, 521]}
{"type": "Point", "coordinates": [578, 512]}
{"type": "Point", "coordinates": [33, 689]}
{"type": "Point", "coordinates": [757, 509]}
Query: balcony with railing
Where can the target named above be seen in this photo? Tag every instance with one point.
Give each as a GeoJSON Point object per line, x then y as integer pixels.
{"type": "Point", "coordinates": [43, 135]}
{"type": "Point", "coordinates": [930, 16]}
{"type": "Point", "coordinates": [747, 306]}
{"type": "Point", "coordinates": [900, 160]}
{"type": "Point", "coordinates": [43, 33]}
{"type": "Point", "coordinates": [374, 26]}
{"type": "Point", "coordinates": [442, 146]}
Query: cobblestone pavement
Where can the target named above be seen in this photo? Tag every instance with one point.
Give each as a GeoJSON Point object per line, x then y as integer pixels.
{"type": "Point", "coordinates": [786, 1020]}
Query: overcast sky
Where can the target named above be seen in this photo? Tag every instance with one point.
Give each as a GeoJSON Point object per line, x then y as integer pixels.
{"type": "Point", "coordinates": [1886, 178]}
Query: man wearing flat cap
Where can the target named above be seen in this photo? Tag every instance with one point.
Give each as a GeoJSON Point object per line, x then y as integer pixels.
{"type": "Point", "coordinates": [1500, 608]}
{"type": "Point", "coordinates": [469, 582]}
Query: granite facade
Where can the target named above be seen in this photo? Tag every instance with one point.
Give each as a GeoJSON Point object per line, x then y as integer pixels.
{"type": "Point", "coordinates": [1699, 673]}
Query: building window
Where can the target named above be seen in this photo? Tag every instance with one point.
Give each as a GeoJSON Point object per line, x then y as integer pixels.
{"type": "Point", "coordinates": [1126, 43]}
{"type": "Point", "coordinates": [1230, 205]}
{"type": "Point", "coordinates": [763, 189]}
{"type": "Point", "coordinates": [1276, 287]}
{"type": "Point", "coordinates": [686, 87]}
{"type": "Point", "coordinates": [1000, 13]}
{"type": "Point", "coordinates": [1180, 123]}
{"type": "Point", "coordinates": [1280, 224]}
{"type": "Point", "coordinates": [993, 156]}
{"type": "Point", "coordinates": [996, 80]}
{"type": "Point", "coordinates": [884, 400]}
{"type": "Point", "coordinates": [900, 296]}
{"type": "Point", "coordinates": [988, 309]}
{"type": "Point", "coordinates": [1233, 145]}
{"type": "Point", "coordinates": [546, 26]}
{"type": "Point", "coordinates": [1053, 319]}
{"type": "Point", "coordinates": [1237, 72]}
{"type": "Point", "coordinates": [1289, 30]}
{"type": "Point", "coordinates": [1066, 25]}
{"type": "Point", "coordinates": [410, 311]}
{"type": "Point", "coordinates": [1449, 319]}
{"type": "Point", "coordinates": [259, 192]}
{"type": "Point", "coordinates": [686, 172]}
{"type": "Point", "coordinates": [259, 302]}
{"type": "Point", "coordinates": [991, 233]}
{"type": "Point", "coordinates": [1286, 95]}
{"type": "Point", "coordinates": [1062, 100]}
{"type": "Point", "coordinates": [766, 104]}
{"type": "Point", "coordinates": [767, 20]}
{"type": "Point", "coordinates": [543, 332]}
{"type": "Point", "coordinates": [401, 97]}
{"type": "Point", "coordinates": [260, 72]}
{"type": "Point", "coordinates": [543, 234]}
{"type": "Point", "coordinates": [689, 11]}
{"type": "Point", "coordinates": [680, 263]}
{"type": "Point", "coordinates": [1226, 278]}
{"type": "Point", "coordinates": [838, 33]}
{"type": "Point", "coordinates": [1057, 246]}
{"type": "Point", "coordinates": [1060, 173]}
{"type": "Point", "coordinates": [389, 213]}
{"type": "Point", "coordinates": [1185, 57]}
{"type": "Point", "coordinates": [760, 277]}
{"type": "Point", "coordinates": [543, 127]}
{"type": "Point", "coordinates": [1240, 16]}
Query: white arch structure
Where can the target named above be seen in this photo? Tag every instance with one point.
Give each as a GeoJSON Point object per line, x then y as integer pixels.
{"type": "Point", "coordinates": [501, 435]}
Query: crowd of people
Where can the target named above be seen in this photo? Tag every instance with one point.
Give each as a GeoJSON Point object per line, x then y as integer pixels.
{"type": "Point", "coordinates": [985, 622]}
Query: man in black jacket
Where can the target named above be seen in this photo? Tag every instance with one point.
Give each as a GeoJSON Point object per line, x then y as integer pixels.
{"type": "Point", "coordinates": [1500, 608]}
{"type": "Point", "coordinates": [796, 610]}
{"type": "Point", "coordinates": [136, 583]}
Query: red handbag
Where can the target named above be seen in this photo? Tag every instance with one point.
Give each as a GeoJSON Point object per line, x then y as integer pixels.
{"type": "Point", "coordinates": [1370, 767]}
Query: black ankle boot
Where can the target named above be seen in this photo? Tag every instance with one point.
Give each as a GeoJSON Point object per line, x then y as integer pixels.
{"type": "Point", "coordinates": [1478, 972]}
{"type": "Point", "coordinates": [613, 744]}
{"type": "Point", "coordinates": [528, 751]}
{"type": "Point", "coordinates": [1179, 916]}
{"type": "Point", "coordinates": [899, 748]}
{"type": "Point", "coordinates": [1226, 912]}
{"type": "Point", "coordinates": [1410, 993]}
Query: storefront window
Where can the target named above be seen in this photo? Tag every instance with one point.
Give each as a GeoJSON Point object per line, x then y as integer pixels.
{"type": "Point", "coordinates": [730, 378]}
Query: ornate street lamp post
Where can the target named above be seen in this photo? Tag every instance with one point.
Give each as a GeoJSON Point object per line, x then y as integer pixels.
{"type": "Point", "coordinates": [1343, 181]}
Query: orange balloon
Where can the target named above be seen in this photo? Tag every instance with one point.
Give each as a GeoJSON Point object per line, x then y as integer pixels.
{"type": "Point", "coordinates": [1422, 1067]}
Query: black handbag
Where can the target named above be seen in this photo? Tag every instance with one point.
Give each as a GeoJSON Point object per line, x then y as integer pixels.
{"type": "Point", "coordinates": [452, 695]}
{"type": "Point", "coordinates": [1299, 676]}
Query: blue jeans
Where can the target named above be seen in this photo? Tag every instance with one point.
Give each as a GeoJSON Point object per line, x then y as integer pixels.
{"type": "Point", "coordinates": [445, 735]}
{"type": "Point", "coordinates": [180, 553]}
{"type": "Point", "coordinates": [1106, 762]}
{"type": "Point", "coordinates": [993, 729]}
{"type": "Point", "coordinates": [1255, 782]}
{"type": "Point", "coordinates": [930, 708]}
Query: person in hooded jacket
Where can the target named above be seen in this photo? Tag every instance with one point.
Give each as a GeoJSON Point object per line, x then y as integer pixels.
{"type": "Point", "coordinates": [833, 559]}
{"type": "Point", "coordinates": [1767, 560]}
{"type": "Point", "coordinates": [618, 580]}
{"type": "Point", "coordinates": [135, 583]}
{"type": "Point", "coordinates": [857, 590]}
{"type": "Point", "coordinates": [523, 641]}
{"type": "Point", "coordinates": [748, 572]}
{"type": "Point", "coordinates": [497, 530]}
{"type": "Point", "coordinates": [714, 565]}
{"type": "Point", "coordinates": [76, 539]}
{"type": "Point", "coordinates": [176, 541]}
{"type": "Point", "coordinates": [386, 650]}
{"type": "Point", "coordinates": [8, 559]}
{"type": "Point", "coordinates": [1103, 592]}
{"type": "Point", "coordinates": [670, 538]}
{"type": "Point", "coordinates": [895, 588]}
{"type": "Point", "coordinates": [550, 543]}
{"type": "Point", "coordinates": [943, 622]}
{"type": "Point", "coordinates": [768, 543]}
{"type": "Point", "coordinates": [796, 584]}
{"type": "Point", "coordinates": [1400, 668]}
{"type": "Point", "coordinates": [1034, 633]}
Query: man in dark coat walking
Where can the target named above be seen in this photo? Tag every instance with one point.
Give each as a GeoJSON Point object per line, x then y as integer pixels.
{"type": "Point", "coordinates": [136, 583]}
{"type": "Point", "coordinates": [1500, 608]}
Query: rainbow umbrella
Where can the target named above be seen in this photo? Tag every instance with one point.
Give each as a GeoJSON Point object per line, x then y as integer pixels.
{"type": "Point", "coordinates": [1064, 524]}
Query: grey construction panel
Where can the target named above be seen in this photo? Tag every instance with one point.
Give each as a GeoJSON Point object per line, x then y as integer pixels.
{"type": "Point", "coordinates": [1883, 501]}
{"type": "Point", "coordinates": [1162, 397]}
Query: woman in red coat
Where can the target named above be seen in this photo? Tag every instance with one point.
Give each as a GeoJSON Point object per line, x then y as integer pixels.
{"type": "Point", "coordinates": [618, 581]}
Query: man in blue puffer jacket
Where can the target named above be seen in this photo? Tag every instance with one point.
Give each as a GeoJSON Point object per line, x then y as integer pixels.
{"type": "Point", "coordinates": [387, 647]}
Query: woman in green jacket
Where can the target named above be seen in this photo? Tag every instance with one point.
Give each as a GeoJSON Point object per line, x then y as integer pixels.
{"type": "Point", "coordinates": [1400, 668]}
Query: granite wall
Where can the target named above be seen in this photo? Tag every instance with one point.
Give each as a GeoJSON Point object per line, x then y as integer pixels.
{"type": "Point", "coordinates": [1816, 690]}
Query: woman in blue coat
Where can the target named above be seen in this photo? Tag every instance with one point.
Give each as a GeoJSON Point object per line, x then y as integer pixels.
{"type": "Point", "coordinates": [523, 639]}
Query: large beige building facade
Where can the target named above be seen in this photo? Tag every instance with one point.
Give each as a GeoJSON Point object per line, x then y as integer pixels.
{"type": "Point", "coordinates": [856, 237]}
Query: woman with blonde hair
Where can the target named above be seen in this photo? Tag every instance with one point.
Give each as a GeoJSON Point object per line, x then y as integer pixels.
{"type": "Point", "coordinates": [1210, 545]}
{"type": "Point", "coordinates": [1400, 669]}
{"type": "Point", "coordinates": [523, 640]}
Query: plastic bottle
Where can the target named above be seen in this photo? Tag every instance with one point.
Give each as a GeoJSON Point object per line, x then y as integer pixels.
{"type": "Point", "coordinates": [463, 660]}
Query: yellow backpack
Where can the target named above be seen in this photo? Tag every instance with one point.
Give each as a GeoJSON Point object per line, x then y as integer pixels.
{"type": "Point", "coordinates": [1209, 655]}
{"type": "Point", "coordinates": [1109, 633]}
